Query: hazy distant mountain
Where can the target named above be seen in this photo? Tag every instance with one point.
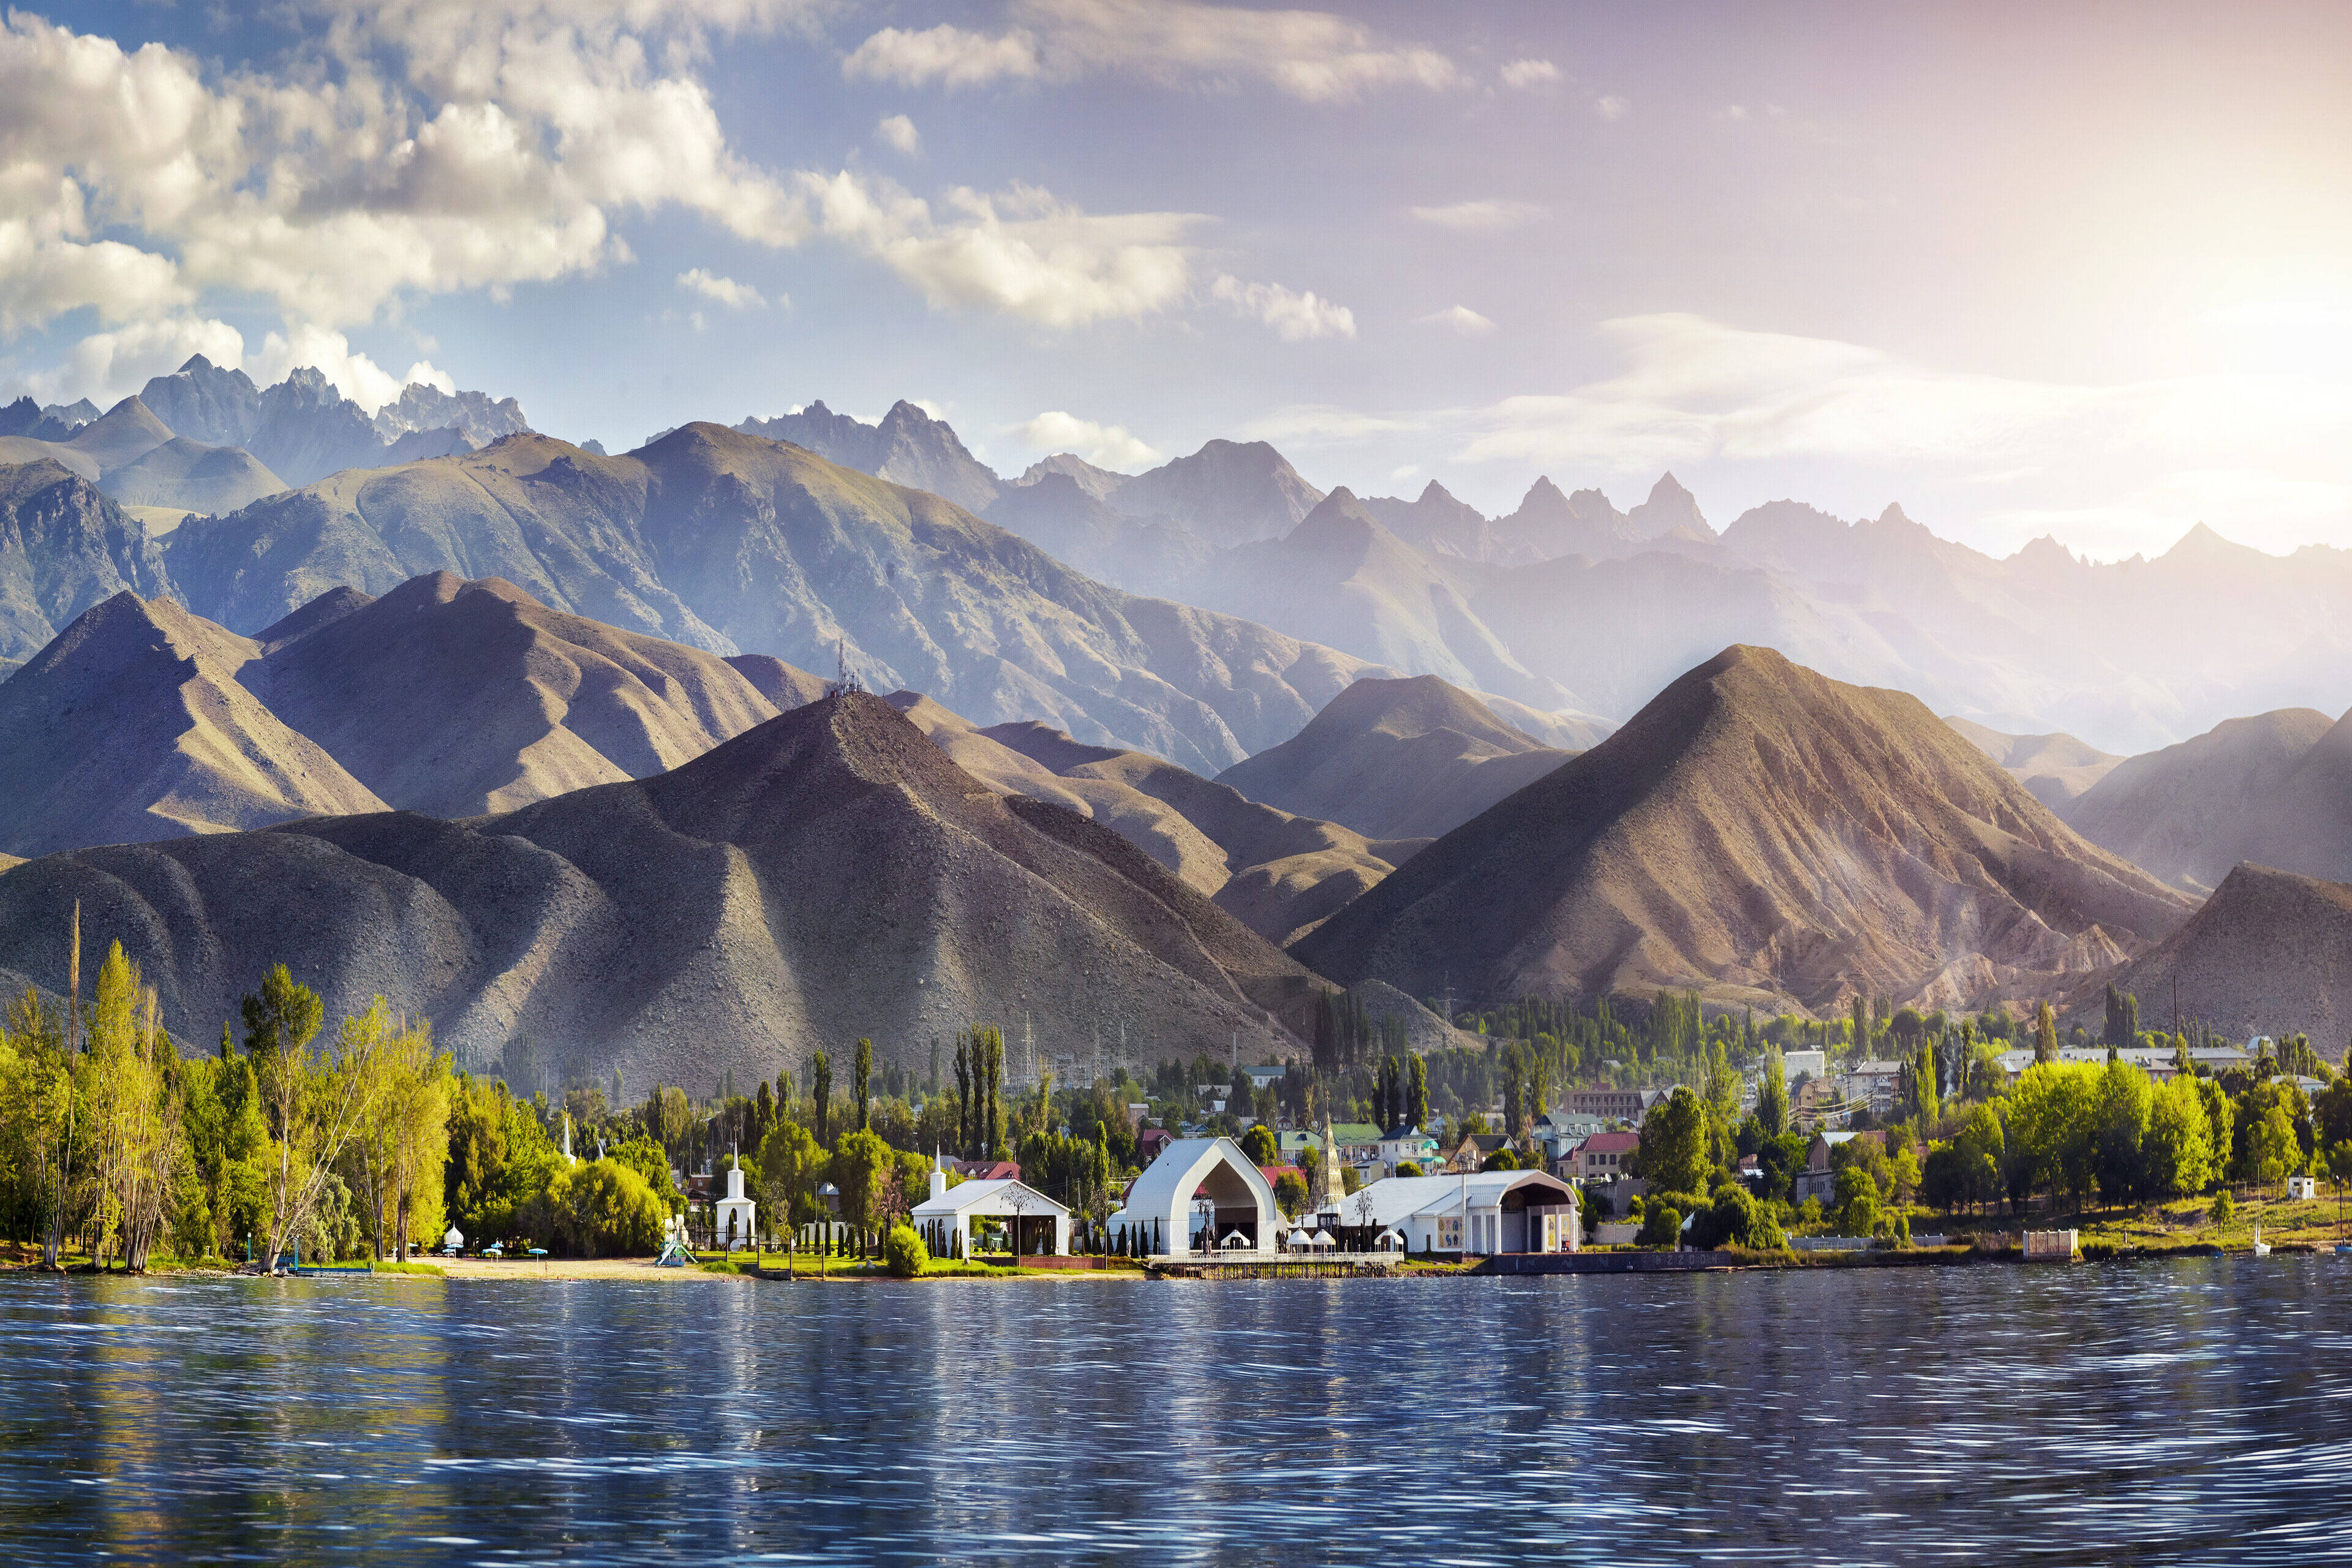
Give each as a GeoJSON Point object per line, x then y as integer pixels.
{"type": "Point", "coordinates": [132, 725]}
{"type": "Point", "coordinates": [1277, 873]}
{"type": "Point", "coordinates": [730, 543]}
{"type": "Point", "coordinates": [1397, 759]}
{"type": "Point", "coordinates": [1058, 514]}
{"type": "Point", "coordinates": [907, 448]}
{"type": "Point", "coordinates": [2307, 824]}
{"type": "Point", "coordinates": [456, 699]}
{"type": "Point", "coordinates": [1228, 492]}
{"type": "Point", "coordinates": [1341, 579]}
{"type": "Point", "coordinates": [205, 402]}
{"type": "Point", "coordinates": [1759, 832]}
{"type": "Point", "coordinates": [192, 476]}
{"type": "Point", "coordinates": [1097, 482]}
{"type": "Point", "coordinates": [27, 420]}
{"type": "Point", "coordinates": [124, 434]}
{"type": "Point", "coordinates": [64, 546]}
{"type": "Point", "coordinates": [827, 875]}
{"type": "Point", "coordinates": [304, 429]}
{"type": "Point", "coordinates": [2269, 953]}
{"type": "Point", "coordinates": [2190, 812]}
{"type": "Point", "coordinates": [422, 409]}
{"type": "Point", "coordinates": [1436, 522]}
{"type": "Point", "coordinates": [2057, 768]}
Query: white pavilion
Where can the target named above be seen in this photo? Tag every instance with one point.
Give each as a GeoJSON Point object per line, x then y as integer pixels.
{"type": "Point", "coordinates": [1202, 1190]}
{"type": "Point", "coordinates": [732, 1215]}
{"type": "Point", "coordinates": [944, 1219]}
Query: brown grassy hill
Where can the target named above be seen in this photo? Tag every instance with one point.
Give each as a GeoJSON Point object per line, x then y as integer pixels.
{"type": "Point", "coordinates": [729, 542]}
{"type": "Point", "coordinates": [1758, 832]}
{"type": "Point", "coordinates": [2269, 952]}
{"type": "Point", "coordinates": [787, 686]}
{"type": "Point", "coordinates": [2306, 825]}
{"type": "Point", "coordinates": [121, 435]}
{"type": "Point", "coordinates": [1278, 874]}
{"type": "Point", "coordinates": [190, 477]}
{"type": "Point", "coordinates": [455, 699]}
{"type": "Point", "coordinates": [2056, 767]}
{"type": "Point", "coordinates": [1397, 759]}
{"type": "Point", "coordinates": [828, 875]}
{"type": "Point", "coordinates": [2190, 812]}
{"type": "Point", "coordinates": [132, 725]}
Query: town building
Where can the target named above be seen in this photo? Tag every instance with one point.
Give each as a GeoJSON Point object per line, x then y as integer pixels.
{"type": "Point", "coordinates": [1603, 1156]}
{"type": "Point", "coordinates": [1496, 1211]}
{"type": "Point", "coordinates": [731, 1216]}
{"type": "Point", "coordinates": [1611, 1104]}
{"type": "Point", "coordinates": [945, 1220]}
{"type": "Point", "coordinates": [1200, 1193]}
{"type": "Point", "coordinates": [1404, 1143]}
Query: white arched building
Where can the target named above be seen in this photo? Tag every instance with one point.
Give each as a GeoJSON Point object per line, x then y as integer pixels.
{"type": "Point", "coordinates": [1197, 1186]}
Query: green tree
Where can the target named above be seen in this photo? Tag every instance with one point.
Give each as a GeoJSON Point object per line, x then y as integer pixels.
{"type": "Point", "coordinates": [2178, 1152]}
{"type": "Point", "coordinates": [606, 1209]}
{"type": "Point", "coordinates": [820, 1077]}
{"type": "Point", "coordinates": [1418, 1095]}
{"type": "Point", "coordinates": [2272, 1149]}
{"type": "Point", "coordinates": [2045, 1033]}
{"type": "Point", "coordinates": [1259, 1145]}
{"type": "Point", "coordinates": [2050, 1126]}
{"type": "Point", "coordinates": [1661, 1225]}
{"type": "Point", "coordinates": [313, 1107]}
{"type": "Point", "coordinates": [1857, 1199]}
{"type": "Point", "coordinates": [791, 1166]}
{"type": "Point", "coordinates": [861, 1075]}
{"type": "Point", "coordinates": [2119, 1110]}
{"type": "Point", "coordinates": [861, 1164]}
{"type": "Point", "coordinates": [1673, 1150]}
{"type": "Point", "coordinates": [1290, 1195]}
{"type": "Point", "coordinates": [904, 1254]}
{"type": "Point", "coordinates": [1772, 1094]}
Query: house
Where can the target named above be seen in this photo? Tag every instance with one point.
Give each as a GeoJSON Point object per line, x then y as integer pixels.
{"type": "Point", "coordinates": [1496, 1211]}
{"type": "Point", "coordinates": [1818, 1180]}
{"type": "Point", "coordinates": [1295, 1142]}
{"type": "Point", "coordinates": [1473, 1153]}
{"type": "Point", "coordinates": [1875, 1083]}
{"type": "Point", "coordinates": [1610, 1104]}
{"type": "Point", "coordinates": [1200, 1194]}
{"type": "Point", "coordinates": [1260, 1076]}
{"type": "Point", "coordinates": [1602, 1156]}
{"type": "Point", "coordinates": [1403, 1143]}
{"type": "Point", "coordinates": [986, 1169]}
{"type": "Point", "coordinates": [1803, 1064]}
{"type": "Point", "coordinates": [1150, 1141]}
{"type": "Point", "coordinates": [2160, 1064]}
{"type": "Point", "coordinates": [1273, 1175]}
{"type": "Point", "coordinates": [945, 1218]}
{"type": "Point", "coordinates": [1358, 1143]}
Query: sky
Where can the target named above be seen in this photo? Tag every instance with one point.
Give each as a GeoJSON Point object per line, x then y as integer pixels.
{"type": "Point", "coordinates": [2082, 271]}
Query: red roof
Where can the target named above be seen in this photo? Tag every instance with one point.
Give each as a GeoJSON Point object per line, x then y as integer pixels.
{"type": "Point", "coordinates": [1610, 1143]}
{"type": "Point", "coordinates": [988, 1169]}
{"type": "Point", "coordinates": [1274, 1173]}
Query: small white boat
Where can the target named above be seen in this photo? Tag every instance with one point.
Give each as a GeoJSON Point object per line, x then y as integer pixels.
{"type": "Point", "coordinates": [2261, 1248]}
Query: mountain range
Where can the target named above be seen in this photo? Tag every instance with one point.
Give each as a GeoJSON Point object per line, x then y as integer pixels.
{"type": "Point", "coordinates": [1410, 759]}
{"type": "Point", "coordinates": [1608, 605]}
{"type": "Point", "coordinates": [1757, 832]}
{"type": "Point", "coordinates": [827, 873]}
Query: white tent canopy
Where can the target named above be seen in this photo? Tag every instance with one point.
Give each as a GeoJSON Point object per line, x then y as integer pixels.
{"type": "Point", "coordinates": [1234, 1192]}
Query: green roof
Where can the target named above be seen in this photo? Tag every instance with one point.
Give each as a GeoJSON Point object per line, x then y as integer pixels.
{"type": "Point", "coordinates": [1354, 1133]}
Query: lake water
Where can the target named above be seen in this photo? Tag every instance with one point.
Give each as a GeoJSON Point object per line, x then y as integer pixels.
{"type": "Point", "coordinates": [2177, 1412]}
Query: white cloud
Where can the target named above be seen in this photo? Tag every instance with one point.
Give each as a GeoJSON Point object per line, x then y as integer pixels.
{"type": "Point", "coordinates": [1612, 107]}
{"type": "Point", "coordinates": [1479, 217]}
{"type": "Point", "coordinates": [1105, 445]}
{"type": "Point", "coordinates": [1524, 74]}
{"type": "Point", "coordinates": [1313, 55]}
{"type": "Point", "coordinates": [725, 290]}
{"type": "Point", "coordinates": [421, 147]}
{"type": "Point", "coordinates": [109, 366]}
{"type": "Point", "coordinates": [897, 131]}
{"type": "Point", "coordinates": [944, 55]}
{"type": "Point", "coordinates": [1293, 316]}
{"type": "Point", "coordinates": [1019, 251]}
{"type": "Point", "coordinates": [1461, 319]}
{"type": "Point", "coordinates": [425, 374]}
{"type": "Point", "coordinates": [356, 375]}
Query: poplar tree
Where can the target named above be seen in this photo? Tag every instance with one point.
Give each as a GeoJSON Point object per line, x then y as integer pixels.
{"type": "Point", "coordinates": [2045, 1033]}
{"type": "Point", "coordinates": [861, 1076]}
{"type": "Point", "coordinates": [821, 1076]}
